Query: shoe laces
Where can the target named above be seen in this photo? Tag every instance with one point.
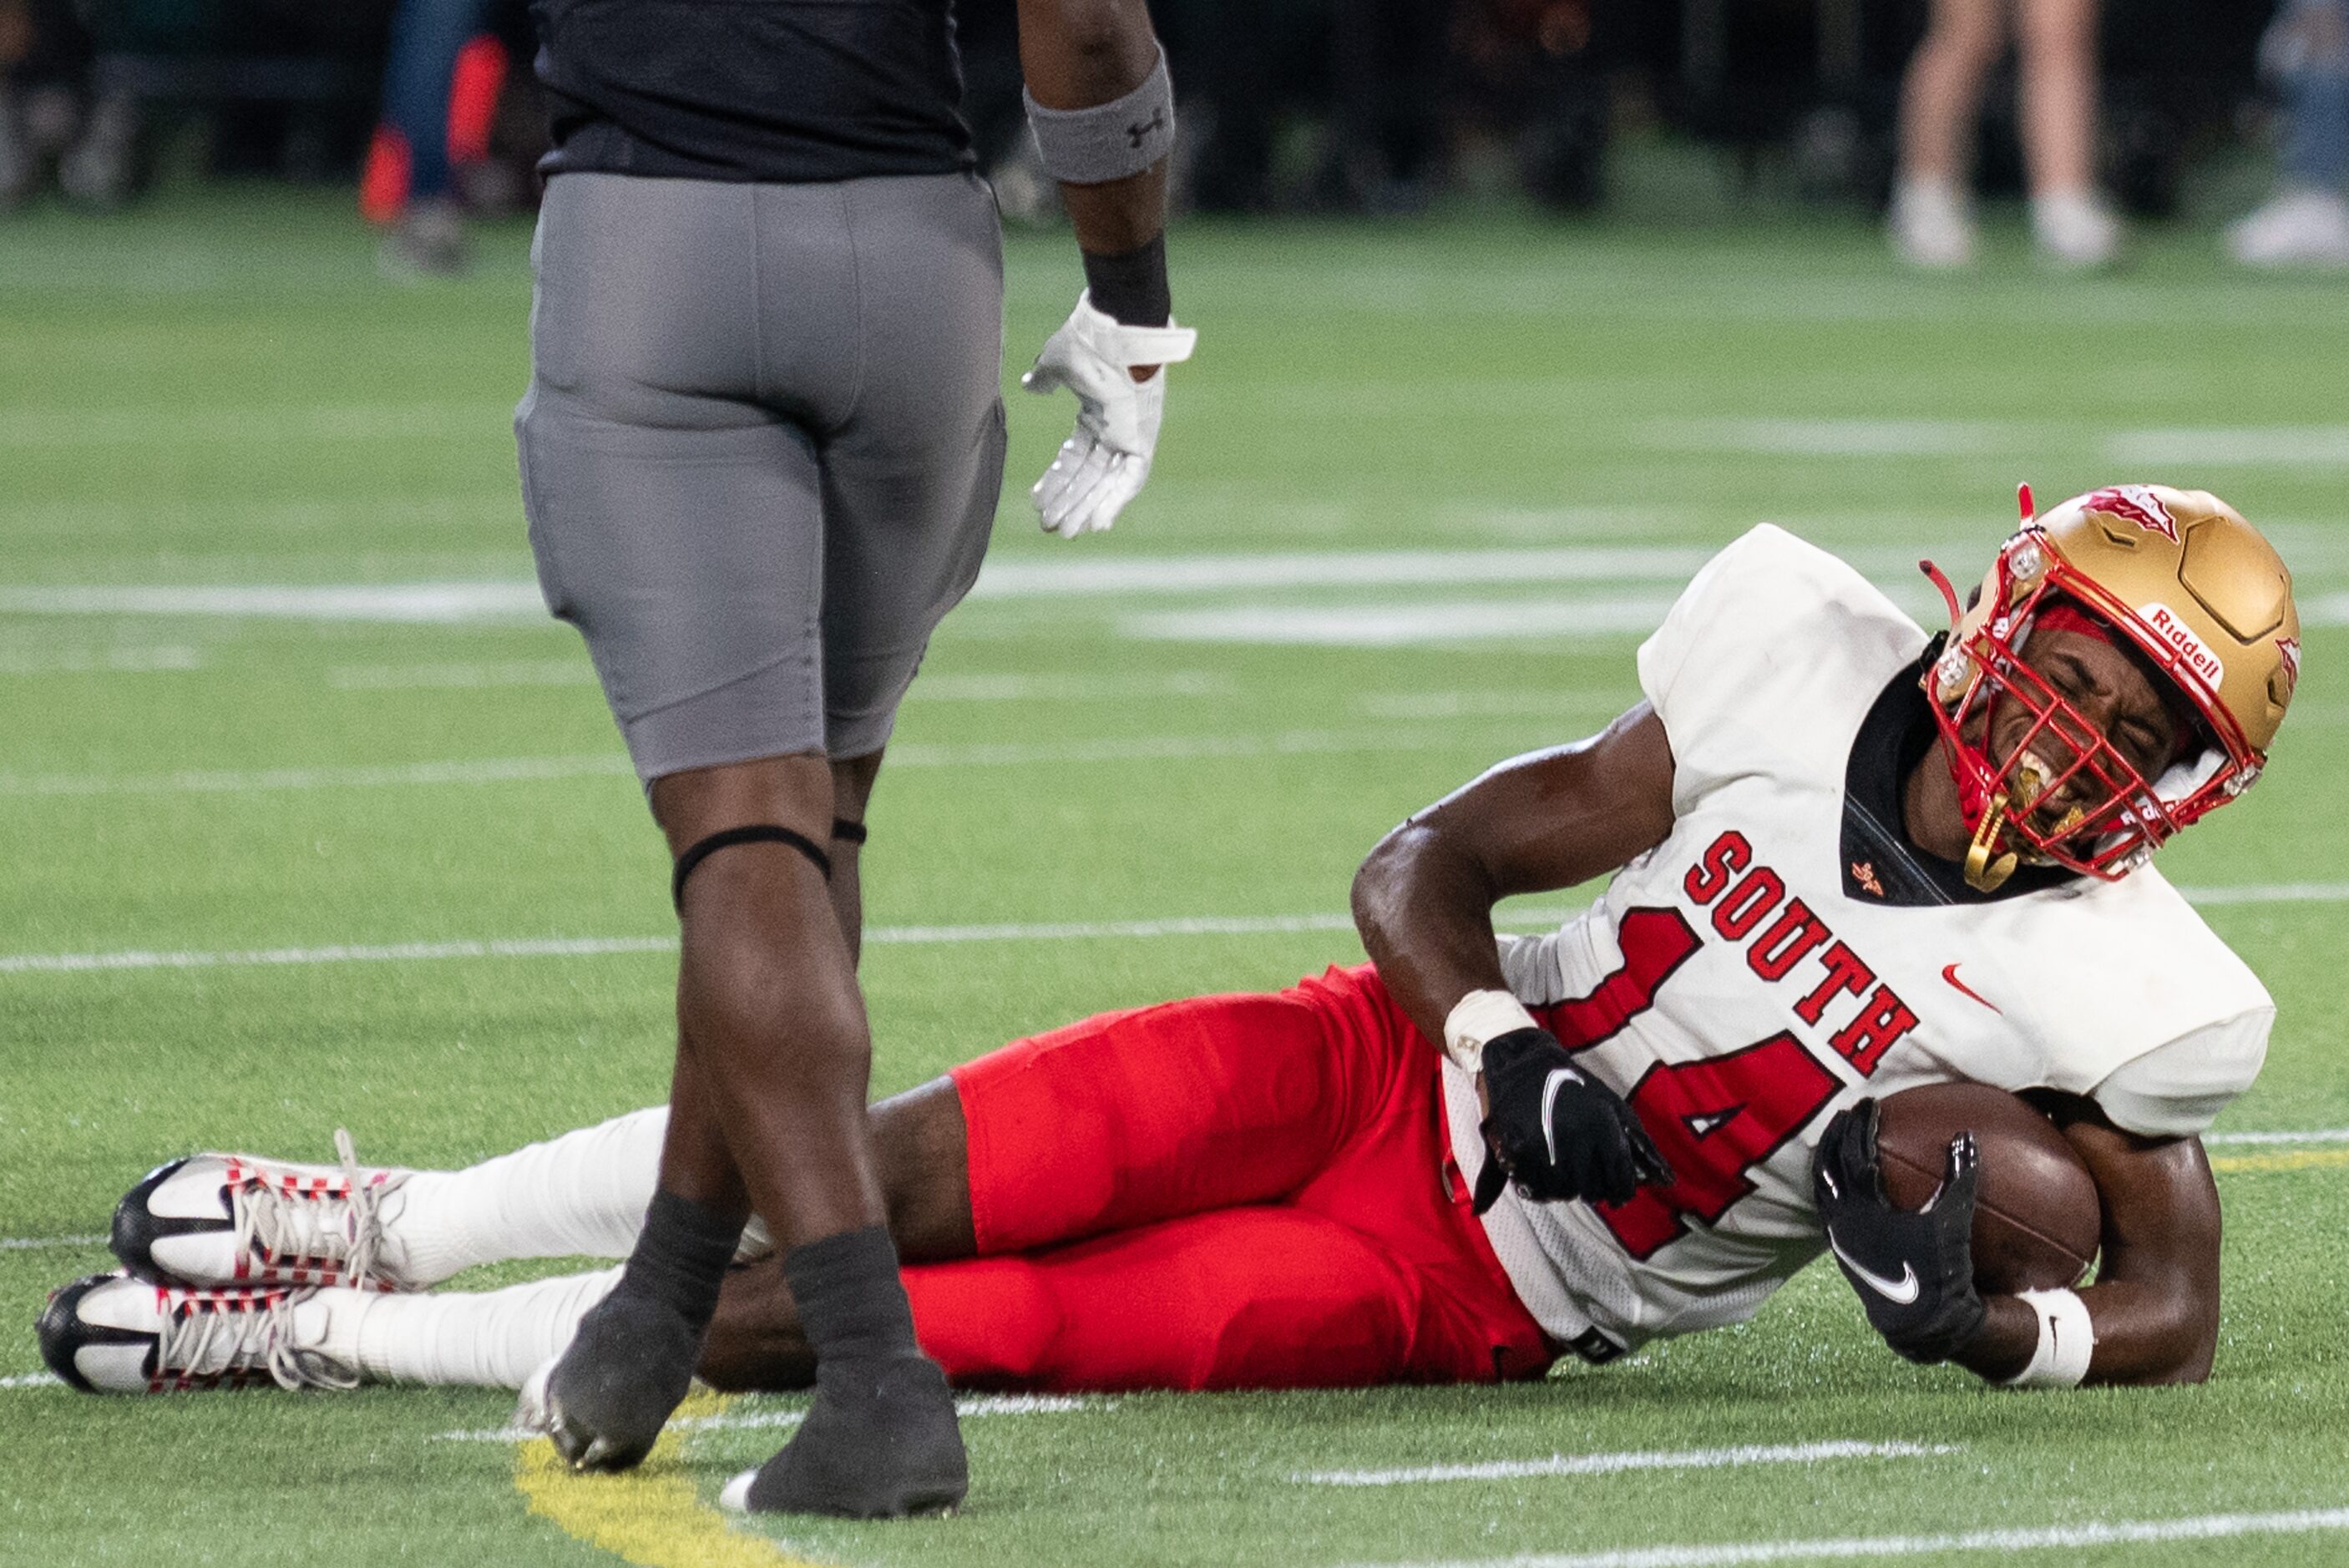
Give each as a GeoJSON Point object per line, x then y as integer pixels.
{"type": "Point", "coordinates": [208, 1336]}
{"type": "Point", "coordinates": [323, 1224]}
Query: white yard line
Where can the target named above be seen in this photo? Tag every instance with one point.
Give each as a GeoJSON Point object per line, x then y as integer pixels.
{"type": "Point", "coordinates": [28, 428]}
{"type": "Point", "coordinates": [2312, 1135]}
{"type": "Point", "coordinates": [754, 1419]}
{"type": "Point", "coordinates": [455, 676]}
{"type": "Point", "coordinates": [1403, 614]}
{"type": "Point", "coordinates": [236, 781]}
{"type": "Point", "coordinates": [443, 603]}
{"type": "Point", "coordinates": [386, 953]}
{"type": "Point", "coordinates": [39, 1244]}
{"type": "Point", "coordinates": [879, 936]}
{"type": "Point", "coordinates": [1836, 437]}
{"type": "Point", "coordinates": [597, 947]}
{"type": "Point", "coordinates": [2325, 610]}
{"type": "Point", "coordinates": [1071, 687]}
{"type": "Point", "coordinates": [1402, 625]}
{"type": "Point", "coordinates": [1092, 930]}
{"type": "Point", "coordinates": [1029, 1404]}
{"type": "Point", "coordinates": [1106, 576]}
{"type": "Point", "coordinates": [911, 754]}
{"type": "Point", "coordinates": [2263, 446]}
{"type": "Point", "coordinates": [166, 660]}
{"type": "Point", "coordinates": [32, 1381]}
{"type": "Point", "coordinates": [2047, 1538]}
{"type": "Point", "coordinates": [1167, 748]}
{"type": "Point", "coordinates": [1618, 1463]}
{"type": "Point", "coordinates": [1001, 579]}
{"type": "Point", "coordinates": [1061, 687]}
{"type": "Point", "coordinates": [2269, 892]}
{"type": "Point", "coordinates": [1407, 706]}
{"type": "Point", "coordinates": [969, 1405]}
{"type": "Point", "coordinates": [1420, 622]}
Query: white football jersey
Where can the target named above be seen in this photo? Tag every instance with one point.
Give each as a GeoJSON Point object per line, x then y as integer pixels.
{"type": "Point", "coordinates": [1728, 986]}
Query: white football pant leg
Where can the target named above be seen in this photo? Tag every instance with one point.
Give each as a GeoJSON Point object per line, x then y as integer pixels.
{"type": "Point", "coordinates": [489, 1339]}
{"type": "Point", "coordinates": [580, 1195]}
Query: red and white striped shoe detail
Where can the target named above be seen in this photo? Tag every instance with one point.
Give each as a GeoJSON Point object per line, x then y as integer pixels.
{"type": "Point", "coordinates": [231, 1220]}
{"type": "Point", "coordinates": [112, 1334]}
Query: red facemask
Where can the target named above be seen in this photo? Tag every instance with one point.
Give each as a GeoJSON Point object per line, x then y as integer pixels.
{"type": "Point", "coordinates": [2060, 793]}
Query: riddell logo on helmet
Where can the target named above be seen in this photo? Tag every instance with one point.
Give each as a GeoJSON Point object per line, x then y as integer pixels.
{"type": "Point", "coordinates": [2192, 650]}
{"type": "Point", "coordinates": [2139, 505]}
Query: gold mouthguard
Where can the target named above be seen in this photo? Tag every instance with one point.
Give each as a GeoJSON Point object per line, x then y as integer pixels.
{"type": "Point", "coordinates": [1984, 873]}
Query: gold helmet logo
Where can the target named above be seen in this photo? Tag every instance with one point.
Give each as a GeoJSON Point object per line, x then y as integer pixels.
{"type": "Point", "coordinates": [2195, 589]}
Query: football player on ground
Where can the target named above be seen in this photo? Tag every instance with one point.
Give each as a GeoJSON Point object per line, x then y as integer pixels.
{"type": "Point", "coordinates": [1849, 860]}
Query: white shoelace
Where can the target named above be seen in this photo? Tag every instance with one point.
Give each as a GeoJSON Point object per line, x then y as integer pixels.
{"type": "Point", "coordinates": [204, 1341]}
{"type": "Point", "coordinates": [290, 1228]}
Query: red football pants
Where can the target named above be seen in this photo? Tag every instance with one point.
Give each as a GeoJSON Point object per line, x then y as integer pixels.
{"type": "Point", "coordinates": [1233, 1192]}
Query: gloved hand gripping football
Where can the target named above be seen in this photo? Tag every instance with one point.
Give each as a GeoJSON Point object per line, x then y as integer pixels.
{"type": "Point", "coordinates": [1914, 1271]}
{"type": "Point", "coordinates": [1557, 1133]}
{"type": "Point", "coordinates": [1101, 467]}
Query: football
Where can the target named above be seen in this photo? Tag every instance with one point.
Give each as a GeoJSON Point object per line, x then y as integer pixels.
{"type": "Point", "coordinates": [2037, 1216]}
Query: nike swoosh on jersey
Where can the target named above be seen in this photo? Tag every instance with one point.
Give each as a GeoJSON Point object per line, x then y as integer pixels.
{"type": "Point", "coordinates": [1899, 1292]}
{"type": "Point", "coordinates": [1950, 972]}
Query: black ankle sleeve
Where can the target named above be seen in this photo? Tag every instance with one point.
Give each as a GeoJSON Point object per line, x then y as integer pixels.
{"type": "Point", "coordinates": [852, 1302]}
{"type": "Point", "coordinates": [682, 1255]}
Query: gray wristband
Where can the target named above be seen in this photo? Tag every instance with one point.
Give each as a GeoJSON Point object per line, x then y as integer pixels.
{"type": "Point", "coordinates": [1110, 141]}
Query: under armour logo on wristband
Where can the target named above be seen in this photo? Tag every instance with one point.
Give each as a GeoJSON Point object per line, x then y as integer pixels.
{"type": "Point", "coordinates": [1138, 134]}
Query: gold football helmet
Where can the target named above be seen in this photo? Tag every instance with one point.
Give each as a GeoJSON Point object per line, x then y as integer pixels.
{"type": "Point", "coordinates": [2197, 591]}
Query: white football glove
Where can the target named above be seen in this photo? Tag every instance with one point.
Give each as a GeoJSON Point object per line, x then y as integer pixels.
{"type": "Point", "coordinates": [1101, 466]}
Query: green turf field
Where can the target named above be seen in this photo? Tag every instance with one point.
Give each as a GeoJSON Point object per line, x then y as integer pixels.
{"type": "Point", "coordinates": [1429, 482]}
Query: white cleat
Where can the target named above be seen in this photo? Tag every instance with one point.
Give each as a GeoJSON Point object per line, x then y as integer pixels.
{"type": "Point", "coordinates": [228, 1220]}
{"type": "Point", "coordinates": [2296, 229]}
{"type": "Point", "coordinates": [1930, 225]}
{"type": "Point", "coordinates": [2075, 231]}
{"type": "Point", "coordinates": [112, 1334]}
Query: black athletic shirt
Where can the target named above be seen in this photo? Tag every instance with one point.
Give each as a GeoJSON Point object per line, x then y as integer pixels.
{"type": "Point", "coordinates": [790, 90]}
{"type": "Point", "coordinates": [1879, 864]}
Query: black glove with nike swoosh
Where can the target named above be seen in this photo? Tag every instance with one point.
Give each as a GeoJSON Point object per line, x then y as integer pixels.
{"type": "Point", "coordinates": [1557, 1133]}
{"type": "Point", "coordinates": [1914, 1271]}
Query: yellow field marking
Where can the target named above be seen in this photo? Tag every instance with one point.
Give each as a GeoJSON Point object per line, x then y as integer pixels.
{"type": "Point", "coordinates": [652, 1516]}
{"type": "Point", "coordinates": [2296, 1160]}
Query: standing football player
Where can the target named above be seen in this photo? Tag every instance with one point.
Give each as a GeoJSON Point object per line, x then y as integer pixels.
{"type": "Point", "coordinates": [761, 454]}
{"type": "Point", "coordinates": [1848, 861]}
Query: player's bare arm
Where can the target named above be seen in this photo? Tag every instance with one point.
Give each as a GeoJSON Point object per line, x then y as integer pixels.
{"type": "Point", "coordinates": [1424, 899]}
{"type": "Point", "coordinates": [2155, 1305]}
{"type": "Point", "coordinates": [1423, 903]}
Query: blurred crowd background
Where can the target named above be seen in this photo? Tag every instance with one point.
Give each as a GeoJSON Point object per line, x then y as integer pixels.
{"type": "Point", "coordinates": [2096, 115]}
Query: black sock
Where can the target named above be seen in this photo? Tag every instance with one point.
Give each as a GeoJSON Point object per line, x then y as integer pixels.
{"type": "Point", "coordinates": [681, 1256]}
{"type": "Point", "coordinates": [852, 1303]}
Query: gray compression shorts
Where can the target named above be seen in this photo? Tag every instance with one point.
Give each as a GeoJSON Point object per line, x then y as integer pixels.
{"type": "Point", "coordinates": [760, 447]}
